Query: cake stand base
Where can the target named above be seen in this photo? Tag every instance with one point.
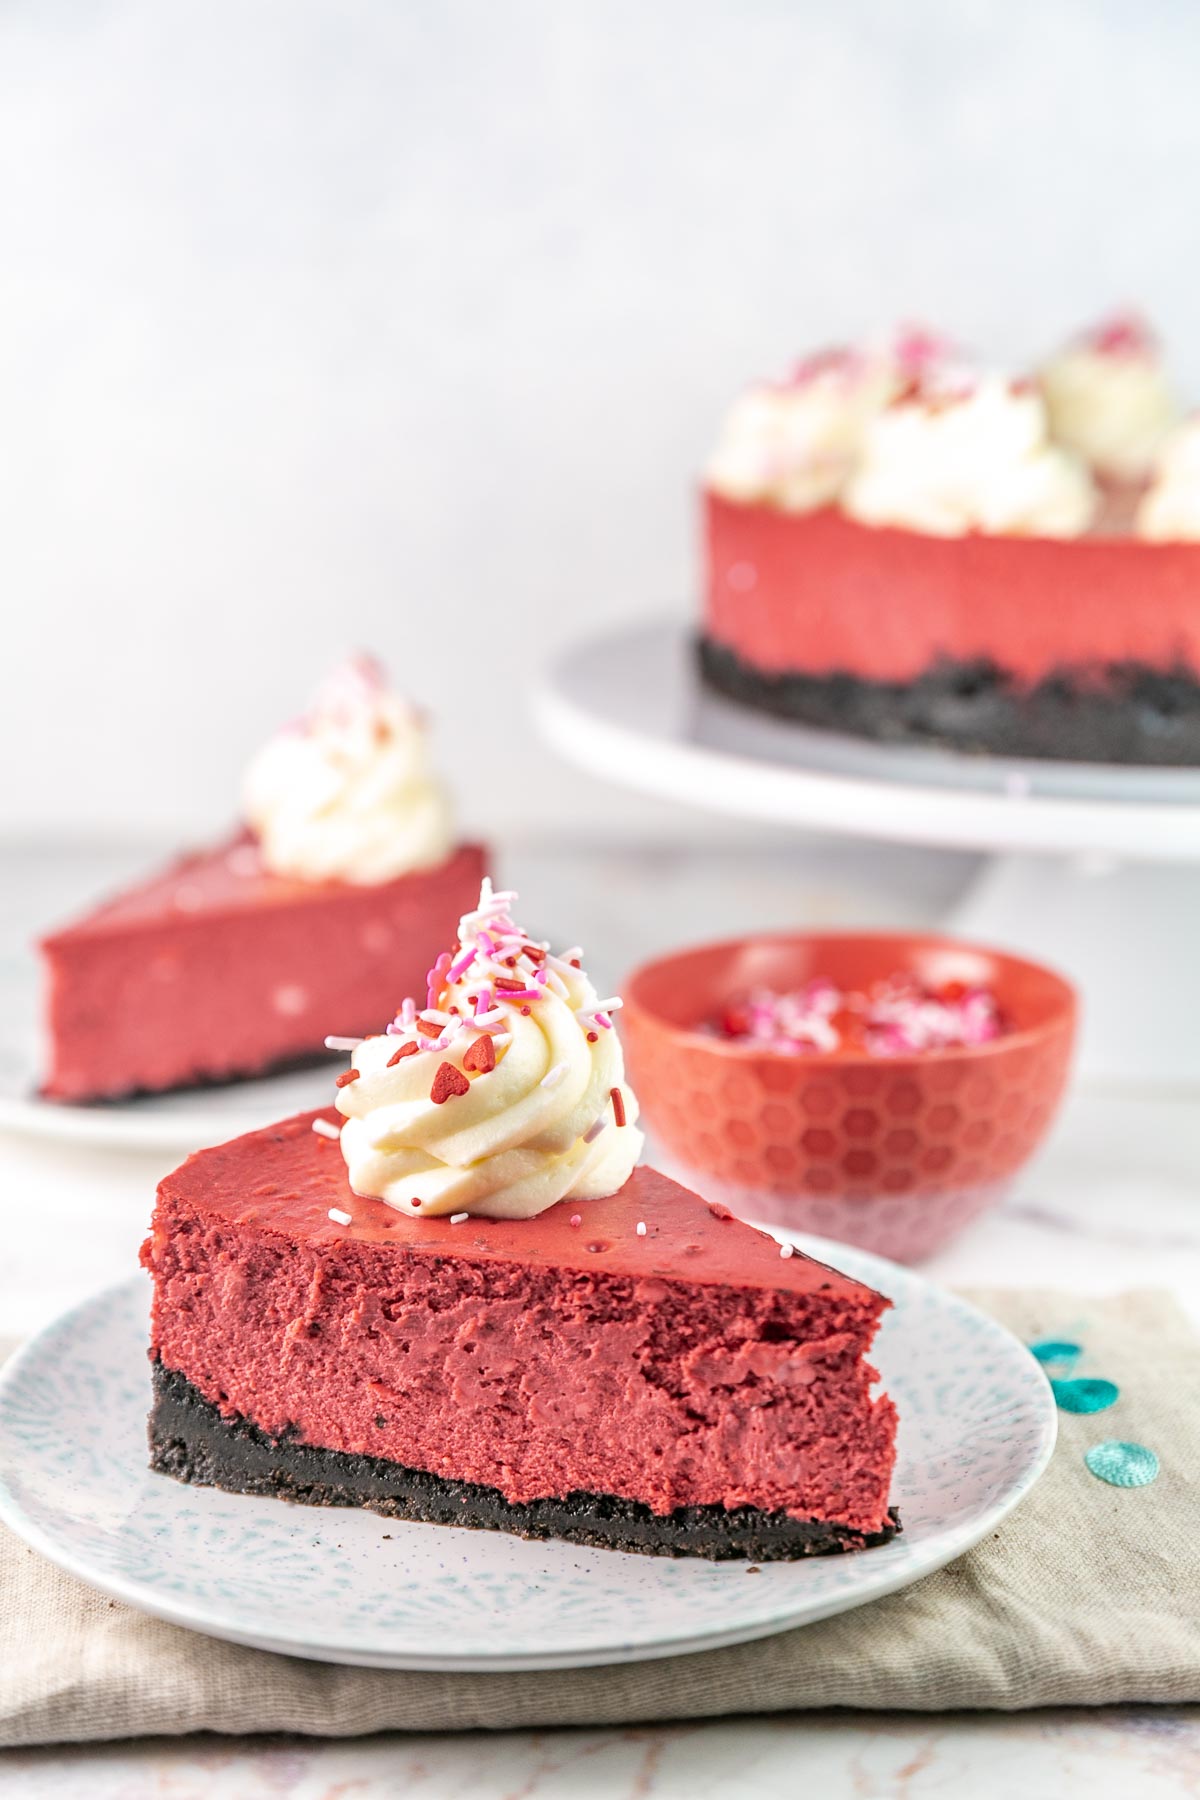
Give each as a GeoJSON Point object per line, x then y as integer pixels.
{"type": "Point", "coordinates": [1127, 934]}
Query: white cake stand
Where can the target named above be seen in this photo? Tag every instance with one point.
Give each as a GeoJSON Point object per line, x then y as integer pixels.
{"type": "Point", "coordinates": [1091, 868]}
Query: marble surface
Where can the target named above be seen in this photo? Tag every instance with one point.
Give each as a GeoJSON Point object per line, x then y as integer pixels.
{"type": "Point", "coordinates": [1113, 1201]}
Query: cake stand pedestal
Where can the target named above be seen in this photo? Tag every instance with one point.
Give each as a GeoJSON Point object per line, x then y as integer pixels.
{"type": "Point", "coordinates": [1093, 869]}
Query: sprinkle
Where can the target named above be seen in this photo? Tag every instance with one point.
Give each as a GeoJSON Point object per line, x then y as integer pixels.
{"type": "Point", "coordinates": [346, 1078]}
{"type": "Point", "coordinates": [414, 1201]}
{"type": "Point", "coordinates": [518, 991]}
{"type": "Point", "coordinates": [593, 1131]}
{"type": "Point", "coordinates": [409, 1049]}
{"type": "Point", "coordinates": [1056, 1350]}
{"type": "Point", "coordinates": [618, 1104]}
{"type": "Point", "coordinates": [787, 1249]}
{"type": "Point", "coordinates": [641, 1227]}
{"type": "Point", "coordinates": [447, 1083]}
{"type": "Point", "coordinates": [480, 1056]}
{"type": "Point", "coordinates": [553, 1076]}
{"type": "Point", "coordinates": [606, 1006]}
{"type": "Point", "coordinates": [593, 1037]}
{"type": "Point", "coordinates": [428, 1029]}
{"type": "Point", "coordinates": [342, 1043]}
{"type": "Point", "coordinates": [459, 1218]}
{"type": "Point", "coordinates": [324, 1129]}
{"type": "Point", "coordinates": [461, 963]}
{"type": "Point", "coordinates": [338, 1216]}
{"type": "Point", "coordinates": [483, 1002]}
{"type": "Point", "coordinates": [576, 1219]}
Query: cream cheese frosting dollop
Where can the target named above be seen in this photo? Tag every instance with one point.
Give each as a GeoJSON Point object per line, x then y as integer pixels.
{"type": "Point", "coordinates": [503, 1095]}
{"type": "Point", "coordinates": [966, 453]}
{"type": "Point", "coordinates": [347, 793]}
{"type": "Point", "coordinates": [1170, 509]}
{"type": "Point", "coordinates": [1108, 398]}
{"type": "Point", "coordinates": [793, 444]}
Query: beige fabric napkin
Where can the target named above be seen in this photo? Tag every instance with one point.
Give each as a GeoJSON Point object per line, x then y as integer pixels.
{"type": "Point", "coordinates": [1087, 1594]}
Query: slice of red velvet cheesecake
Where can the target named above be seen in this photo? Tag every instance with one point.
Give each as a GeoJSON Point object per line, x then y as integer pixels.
{"type": "Point", "coordinates": [481, 1312]}
{"type": "Point", "coordinates": [239, 959]}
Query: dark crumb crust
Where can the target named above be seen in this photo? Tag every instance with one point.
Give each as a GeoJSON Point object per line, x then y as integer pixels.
{"type": "Point", "coordinates": [281, 1065]}
{"type": "Point", "coordinates": [191, 1440]}
{"type": "Point", "coordinates": [1122, 713]}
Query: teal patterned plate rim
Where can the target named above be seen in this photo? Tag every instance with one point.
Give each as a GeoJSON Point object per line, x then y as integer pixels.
{"type": "Point", "coordinates": [978, 1425]}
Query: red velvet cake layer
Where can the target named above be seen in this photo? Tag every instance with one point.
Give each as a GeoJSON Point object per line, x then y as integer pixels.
{"type": "Point", "coordinates": [217, 968]}
{"type": "Point", "coordinates": [690, 1366]}
{"type": "Point", "coordinates": [817, 593]}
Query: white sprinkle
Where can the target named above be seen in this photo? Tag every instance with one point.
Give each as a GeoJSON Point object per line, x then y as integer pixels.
{"type": "Point", "coordinates": [459, 1218]}
{"type": "Point", "coordinates": [607, 1005]}
{"type": "Point", "coordinates": [342, 1043]}
{"type": "Point", "coordinates": [787, 1249]}
{"type": "Point", "coordinates": [553, 1076]}
{"type": "Point", "coordinates": [324, 1129]}
{"type": "Point", "coordinates": [593, 1131]}
{"type": "Point", "coordinates": [641, 1227]}
{"type": "Point", "coordinates": [338, 1216]}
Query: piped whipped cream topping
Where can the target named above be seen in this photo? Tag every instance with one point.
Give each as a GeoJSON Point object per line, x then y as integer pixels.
{"type": "Point", "coordinates": [794, 444]}
{"type": "Point", "coordinates": [1108, 398]}
{"type": "Point", "coordinates": [1170, 509]}
{"type": "Point", "coordinates": [347, 793]}
{"type": "Point", "coordinates": [960, 452]}
{"type": "Point", "coordinates": [502, 1095]}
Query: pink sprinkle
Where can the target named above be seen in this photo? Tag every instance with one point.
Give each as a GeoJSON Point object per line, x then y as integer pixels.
{"type": "Point", "coordinates": [483, 1001]}
{"type": "Point", "coordinates": [577, 1218]}
{"type": "Point", "coordinates": [338, 1216]}
{"type": "Point", "coordinates": [488, 942]}
{"type": "Point", "coordinates": [516, 995]}
{"type": "Point", "coordinates": [461, 964]}
{"type": "Point", "coordinates": [324, 1129]}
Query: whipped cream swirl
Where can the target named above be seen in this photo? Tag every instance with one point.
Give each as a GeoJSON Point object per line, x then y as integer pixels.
{"type": "Point", "coordinates": [347, 793]}
{"type": "Point", "coordinates": [504, 1094]}
{"type": "Point", "coordinates": [964, 453]}
{"type": "Point", "coordinates": [1170, 510]}
{"type": "Point", "coordinates": [1108, 398]}
{"type": "Point", "coordinates": [793, 444]}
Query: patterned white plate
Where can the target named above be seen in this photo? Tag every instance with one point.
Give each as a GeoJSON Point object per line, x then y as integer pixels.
{"type": "Point", "coordinates": [977, 1429]}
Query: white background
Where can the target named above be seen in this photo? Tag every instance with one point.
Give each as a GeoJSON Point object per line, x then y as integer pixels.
{"type": "Point", "coordinates": [405, 325]}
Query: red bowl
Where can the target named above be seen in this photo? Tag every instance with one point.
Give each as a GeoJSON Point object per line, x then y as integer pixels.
{"type": "Point", "coordinates": [893, 1153]}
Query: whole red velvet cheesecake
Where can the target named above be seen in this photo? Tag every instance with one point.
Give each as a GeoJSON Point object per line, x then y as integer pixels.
{"type": "Point", "coordinates": [898, 546]}
{"type": "Point", "coordinates": [241, 958]}
{"type": "Point", "coordinates": [218, 968]}
{"type": "Point", "coordinates": [641, 1371]}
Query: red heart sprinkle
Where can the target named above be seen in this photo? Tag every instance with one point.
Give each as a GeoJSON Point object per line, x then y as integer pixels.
{"type": "Point", "coordinates": [448, 1082]}
{"type": "Point", "coordinates": [481, 1057]}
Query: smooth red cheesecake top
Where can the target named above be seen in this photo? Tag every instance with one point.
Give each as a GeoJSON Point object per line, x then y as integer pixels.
{"type": "Point", "coordinates": [692, 1366]}
{"type": "Point", "coordinates": [287, 1179]}
{"type": "Point", "coordinates": [818, 593]}
{"type": "Point", "coordinates": [229, 878]}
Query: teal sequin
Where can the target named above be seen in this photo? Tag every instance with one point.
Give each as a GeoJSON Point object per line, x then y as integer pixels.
{"type": "Point", "coordinates": [1056, 1350]}
{"type": "Point", "coordinates": [1085, 1394]}
{"type": "Point", "coordinates": [1122, 1465]}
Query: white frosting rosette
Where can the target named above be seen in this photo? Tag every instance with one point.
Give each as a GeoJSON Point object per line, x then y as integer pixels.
{"type": "Point", "coordinates": [503, 1095]}
{"type": "Point", "coordinates": [969, 453]}
{"type": "Point", "coordinates": [1108, 398]}
{"type": "Point", "coordinates": [1170, 509]}
{"type": "Point", "coordinates": [347, 794]}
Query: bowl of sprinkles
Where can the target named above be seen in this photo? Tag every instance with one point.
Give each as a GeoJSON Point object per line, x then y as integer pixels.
{"type": "Point", "coordinates": [880, 1088]}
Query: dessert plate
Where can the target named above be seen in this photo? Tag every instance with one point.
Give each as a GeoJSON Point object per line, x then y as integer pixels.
{"type": "Point", "coordinates": [977, 1428]}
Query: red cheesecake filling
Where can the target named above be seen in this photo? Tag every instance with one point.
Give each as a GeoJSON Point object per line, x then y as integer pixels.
{"type": "Point", "coordinates": [217, 968]}
{"type": "Point", "coordinates": [819, 594]}
{"type": "Point", "coordinates": [691, 1365]}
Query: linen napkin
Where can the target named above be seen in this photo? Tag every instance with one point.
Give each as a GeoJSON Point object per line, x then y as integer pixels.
{"type": "Point", "coordinates": [1087, 1594]}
